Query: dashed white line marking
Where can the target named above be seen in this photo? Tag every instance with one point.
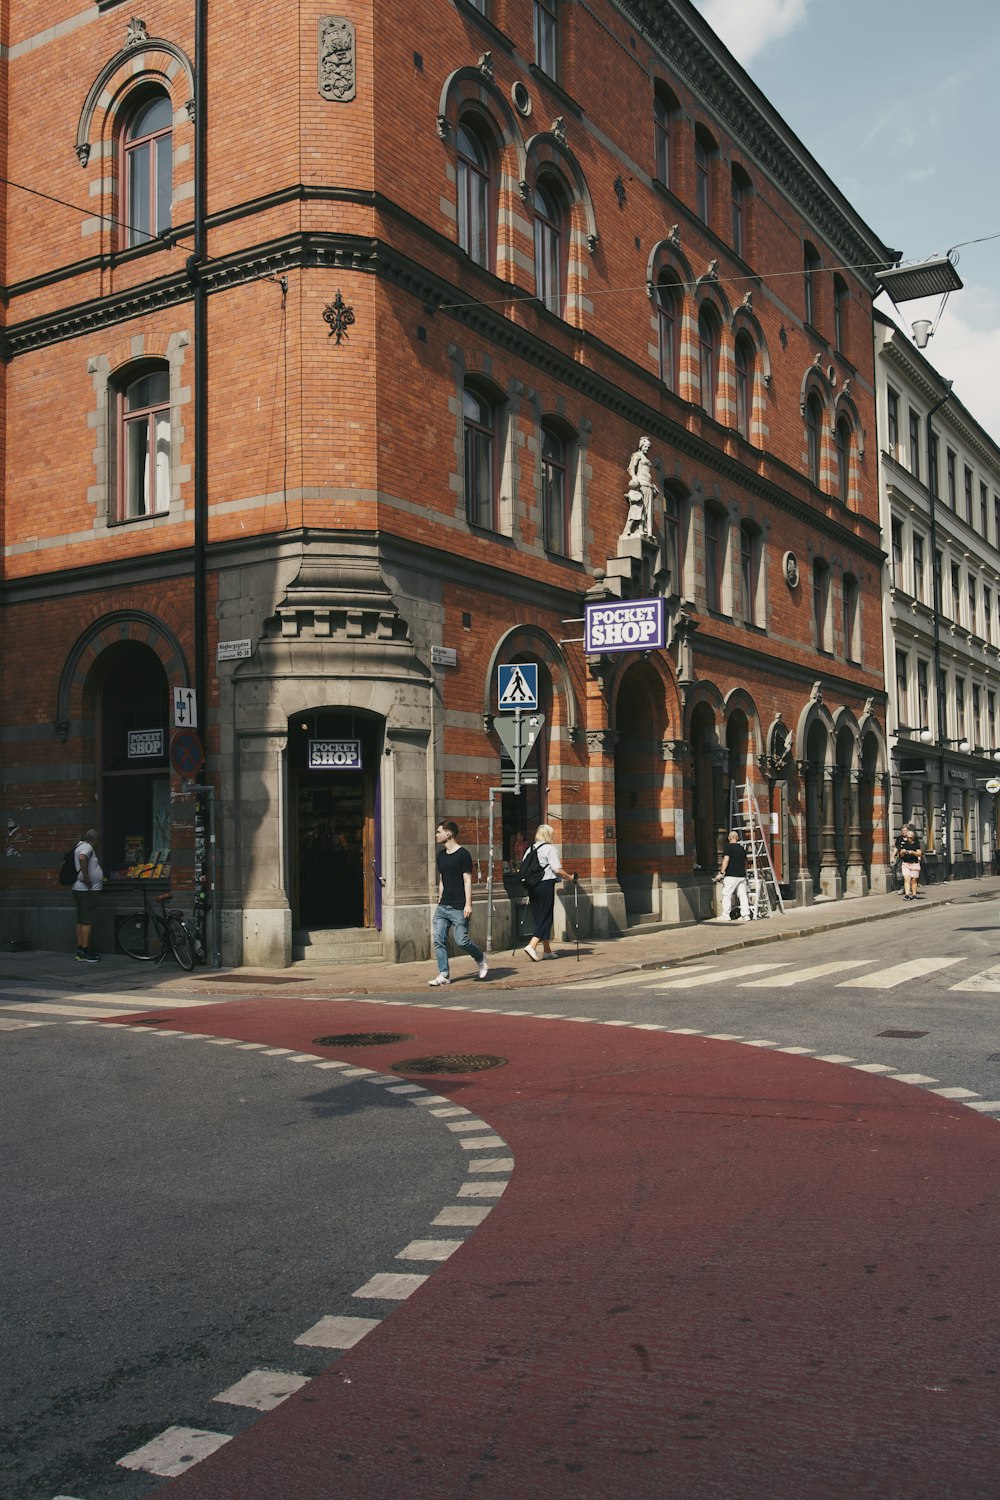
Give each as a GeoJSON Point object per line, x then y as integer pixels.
{"type": "Point", "coordinates": [469, 1125]}
{"type": "Point", "coordinates": [448, 1110]}
{"type": "Point", "coordinates": [887, 979]}
{"type": "Point", "coordinates": [393, 1286]}
{"type": "Point", "coordinates": [174, 1451]}
{"type": "Point", "coordinates": [913, 1078]}
{"type": "Point", "coordinates": [836, 1057]}
{"type": "Point", "coordinates": [405, 1088]}
{"type": "Point", "coordinates": [263, 1390]}
{"type": "Point", "coordinates": [955, 1093]}
{"type": "Point", "coordinates": [493, 1164]}
{"type": "Point", "coordinates": [872, 1068]}
{"type": "Point", "coordinates": [983, 1105]}
{"type": "Point", "coordinates": [482, 1142]}
{"type": "Point", "coordinates": [760, 1042]}
{"type": "Point", "coordinates": [460, 1215]}
{"type": "Point", "coordinates": [482, 1189]}
{"type": "Point", "coordinates": [337, 1333]}
{"type": "Point", "coordinates": [429, 1249]}
{"type": "Point", "coordinates": [725, 1036]}
{"type": "Point", "coordinates": [792, 1051]}
{"type": "Point", "coordinates": [12, 1025]}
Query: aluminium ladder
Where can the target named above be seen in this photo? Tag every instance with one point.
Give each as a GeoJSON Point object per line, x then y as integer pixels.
{"type": "Point", "coordinates": [765, 896]}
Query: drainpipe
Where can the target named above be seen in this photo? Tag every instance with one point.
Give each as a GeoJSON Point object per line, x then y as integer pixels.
{"type": "Point", "coordinates": [937, 583]}
{"type": "Point", "coordinates": [195, 268]}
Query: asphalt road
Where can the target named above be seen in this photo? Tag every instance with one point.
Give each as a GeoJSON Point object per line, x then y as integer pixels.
{"type": "Point", "coordinates": [175, 1216]}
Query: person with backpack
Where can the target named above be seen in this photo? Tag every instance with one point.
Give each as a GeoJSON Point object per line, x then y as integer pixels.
{"type": "Point", "coordinates": [454, 908]}
{"type": "Point", "coordinates": [86, 887]}
{"type": "Point", "coordinates": [540, 868]}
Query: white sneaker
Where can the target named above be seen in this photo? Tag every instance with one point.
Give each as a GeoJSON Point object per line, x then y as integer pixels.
{"type": "Point", "coordinates": [484, 969]}
{"type": "Point", "coordinates": [744, 919]}
{"type": "Point", "coordinates": [535, 957]}
{"type": "Point", "coordinates": [441, 979]}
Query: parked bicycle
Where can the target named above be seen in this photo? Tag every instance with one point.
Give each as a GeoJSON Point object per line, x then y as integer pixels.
{"type": "Point", "coordinates": [150, 934]}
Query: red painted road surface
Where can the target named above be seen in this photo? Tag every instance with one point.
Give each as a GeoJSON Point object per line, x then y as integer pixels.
{"type": "Point", "coordinates": [717, 1272]}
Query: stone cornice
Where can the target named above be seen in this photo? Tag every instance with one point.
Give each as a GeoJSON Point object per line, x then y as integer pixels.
{"type": "Point", "coordinates": [688, 46]}
{"type": "Point", "coordinates": [360, 254]}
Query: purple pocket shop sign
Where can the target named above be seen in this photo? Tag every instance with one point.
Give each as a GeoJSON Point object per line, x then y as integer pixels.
{"type": "Point", "coordinates": [626, 625]}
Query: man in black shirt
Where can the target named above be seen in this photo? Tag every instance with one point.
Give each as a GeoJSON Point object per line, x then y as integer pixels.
{"type": "Point", "coordinates": [454, 908]}
{"type": "Point", "coordinates": [733, 874]}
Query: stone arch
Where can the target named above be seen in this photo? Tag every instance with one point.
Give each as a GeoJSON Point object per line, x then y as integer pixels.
{"type": "Point", "coordinates": [667, 255]}
{"type": "Point", "coordinates": [814, 712]}
{"type": "Point", "coordinates": [536, 641]}
{"type": "Point", "coordinates": [471, 86]}
{"type": "Point", "coordinates": [738, 700]}
{"type": "Point", "coordinates": [123, 625]}
{"type": "Point", "coordinates": [744, 320]}
{"type": "Point", "coordinates": [546, 150]}
{"type": "Point", "coordinates": [163, 61]}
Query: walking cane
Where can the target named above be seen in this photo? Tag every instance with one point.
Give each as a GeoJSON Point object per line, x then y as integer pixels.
{"type": "Point", "coordinates": [576, 914]}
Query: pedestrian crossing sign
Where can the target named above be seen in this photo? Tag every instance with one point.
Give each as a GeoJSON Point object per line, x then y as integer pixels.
{"type": "Point", "coordinates": [517, 686]}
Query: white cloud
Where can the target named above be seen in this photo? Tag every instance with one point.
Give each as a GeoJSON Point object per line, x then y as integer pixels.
{"type": "Point", "coordinates": [749, 26]}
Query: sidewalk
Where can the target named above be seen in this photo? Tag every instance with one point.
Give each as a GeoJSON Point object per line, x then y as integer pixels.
{"type": "Point", "coordinates": [639, 949]}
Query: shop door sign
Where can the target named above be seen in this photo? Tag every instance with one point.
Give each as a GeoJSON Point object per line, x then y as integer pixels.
{"type": "Point", "coordinates": [517, 686]}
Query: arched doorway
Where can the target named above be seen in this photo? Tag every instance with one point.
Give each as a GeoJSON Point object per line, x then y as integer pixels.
{"type": "Point", "coordinates": [708, 815]}
{"type": "Point", "coordinates": [816, 795]}
{"type": "Point", "coordinates": [640, 719]}
{"type": "Point", "coordinates": [131, 703]}
{"type": "Point", "coordinates": [335, 854]}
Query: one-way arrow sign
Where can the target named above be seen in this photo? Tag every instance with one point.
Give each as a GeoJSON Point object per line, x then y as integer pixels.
{"type": "Point", "coordinates": [518, 732]}
{"type": "Point", "coordinates": [185, 708]}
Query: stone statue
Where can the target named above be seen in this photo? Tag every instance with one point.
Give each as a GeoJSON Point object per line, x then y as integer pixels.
{"type": "Point", "coordinates": [641, 492]}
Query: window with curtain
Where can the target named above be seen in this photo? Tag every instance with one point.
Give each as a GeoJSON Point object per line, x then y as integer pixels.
{"type": "Point", "coordinates": [744, 359]}
{"type": "Point", "coordinates": [475, 194]}
{"type": "Point", "coordinates": [708, 359]}
{"type": "Point", "coordinates": [147, 155]}
{"type": "Point", "coordinates": [556, 453]}
{"type": "Point", "coordinates": [814, 437]}
{"type": "Point", "coordinates": [550, 270]}
{"type": "Point", "coordinates": [668, 322]}
{"type": "Point", "coordinates": [143, 443]}
{"type": "Point", "coordinates": [481, 421]}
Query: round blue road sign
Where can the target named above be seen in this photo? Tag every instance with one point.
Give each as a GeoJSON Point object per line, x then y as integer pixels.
{"type": "Point", "coordinates": [187, 754]}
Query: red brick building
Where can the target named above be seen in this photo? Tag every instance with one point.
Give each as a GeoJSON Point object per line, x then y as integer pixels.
{"type": "Point", "coordinates": [328, 351]}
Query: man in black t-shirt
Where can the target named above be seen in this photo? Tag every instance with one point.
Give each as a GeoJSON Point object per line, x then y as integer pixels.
{"type": "Point", "coordinates": [454, 908]}
{"type": "Point", "coordinates": [733, 874]}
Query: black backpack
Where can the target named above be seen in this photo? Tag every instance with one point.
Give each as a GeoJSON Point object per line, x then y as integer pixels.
{"type": "Point", "coordinates": [68, 870]}
{"type": "Point", "coordinates": [531, 870]}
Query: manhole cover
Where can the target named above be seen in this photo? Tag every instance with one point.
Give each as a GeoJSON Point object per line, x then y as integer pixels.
{"type": "Point", "coordinates": [246, 979]}
{"type": "Point", "coordinates": [994, 1057]}
{"type": "Point", "coordinates": [449, 1062]}
{"type": "Point", "coordinates": [905, 1035]}
{"type": "Point", "coordinates": [363, 1039]}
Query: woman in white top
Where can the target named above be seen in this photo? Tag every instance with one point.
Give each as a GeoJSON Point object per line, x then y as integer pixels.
{"type": "Point", "coordinates": [543, 896]}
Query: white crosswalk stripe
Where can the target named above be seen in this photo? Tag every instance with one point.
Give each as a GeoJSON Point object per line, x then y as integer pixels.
{"type": "Point", "coordinates": [986, 983]}
{"type": "Point", "coordinates": [57, 1003]}
{"type": "Point", "coordinates": [803, 976]}
{"type": "Point", "coordinates": [689, 981]}
{"type": "Point", "coordinates": [887, 979]}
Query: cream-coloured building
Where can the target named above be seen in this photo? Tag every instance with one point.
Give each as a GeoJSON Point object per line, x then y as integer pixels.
{"type": "Point", "coordinates": [940, 510]}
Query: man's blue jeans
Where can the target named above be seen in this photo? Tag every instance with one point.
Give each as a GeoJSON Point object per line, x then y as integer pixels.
{"type": "Point", "coordinates": [446, 917]}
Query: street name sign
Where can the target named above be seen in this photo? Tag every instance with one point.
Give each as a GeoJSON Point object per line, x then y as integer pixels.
{"type": "Point", "coordinates": [233, 650]}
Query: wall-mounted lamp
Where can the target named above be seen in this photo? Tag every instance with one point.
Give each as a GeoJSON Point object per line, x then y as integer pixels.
{"type": "Point", "coordinates": [921, 732]}
{"type": "Point", "coordinates": [961, 742]}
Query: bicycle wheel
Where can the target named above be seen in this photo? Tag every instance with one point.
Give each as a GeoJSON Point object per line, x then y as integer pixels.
{"type": "Point", "coordinates": [180, 941]}
{"type": "Point", "coordinates": [132, 936]}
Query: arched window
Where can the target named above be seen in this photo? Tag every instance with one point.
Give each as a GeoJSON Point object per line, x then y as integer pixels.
{"type": "Point", "coordinates": [740, 191]}
{"type": "Point", "coordinates": [750, 570]}
{"type": "Point", "coordinates": [705, 151]}
{"type": "Point", "coordinates": [481, 421]}
{"type": "Point", "coordinates": [475, 194]}
{"type": "Point", "coordinates": [715, 557]}
{"type": "Point", "coordinates": [814, 437]}
{"type": "Point", "coordinates": [146, 191]}
{"type": "Point", "coordinates": [549, 267]}
{"type": "Point", "coordinates": [665, 110]}
{"type": "Point", "coordinates": [744, 359]}
{"type": "Point", "coordinates": [840, 296]}
{"type": "Point", "coordinates": [669, 301]}
{"type": "Point", "coordinates": [851, 596]}
{"type": "Point", "coordinates": [708, 359]}
{"type": "Point", "coordinates": [811, 266]}
{"type": "Point", "coordinates": [843, 434]}
{"type": "Point", "coordinates": [556, 489]}
{"type": "Point", "coordinates": [142, 419]}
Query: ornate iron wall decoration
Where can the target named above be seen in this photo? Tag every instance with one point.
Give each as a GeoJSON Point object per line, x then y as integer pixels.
{"type": "Point", "coordinates": [339, 316]}
{"type": "Point", "coordinates": [337, 79]}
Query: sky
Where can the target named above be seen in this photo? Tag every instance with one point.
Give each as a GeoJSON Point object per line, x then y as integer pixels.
{"type": "Point", "coordinates": [897, 104]}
